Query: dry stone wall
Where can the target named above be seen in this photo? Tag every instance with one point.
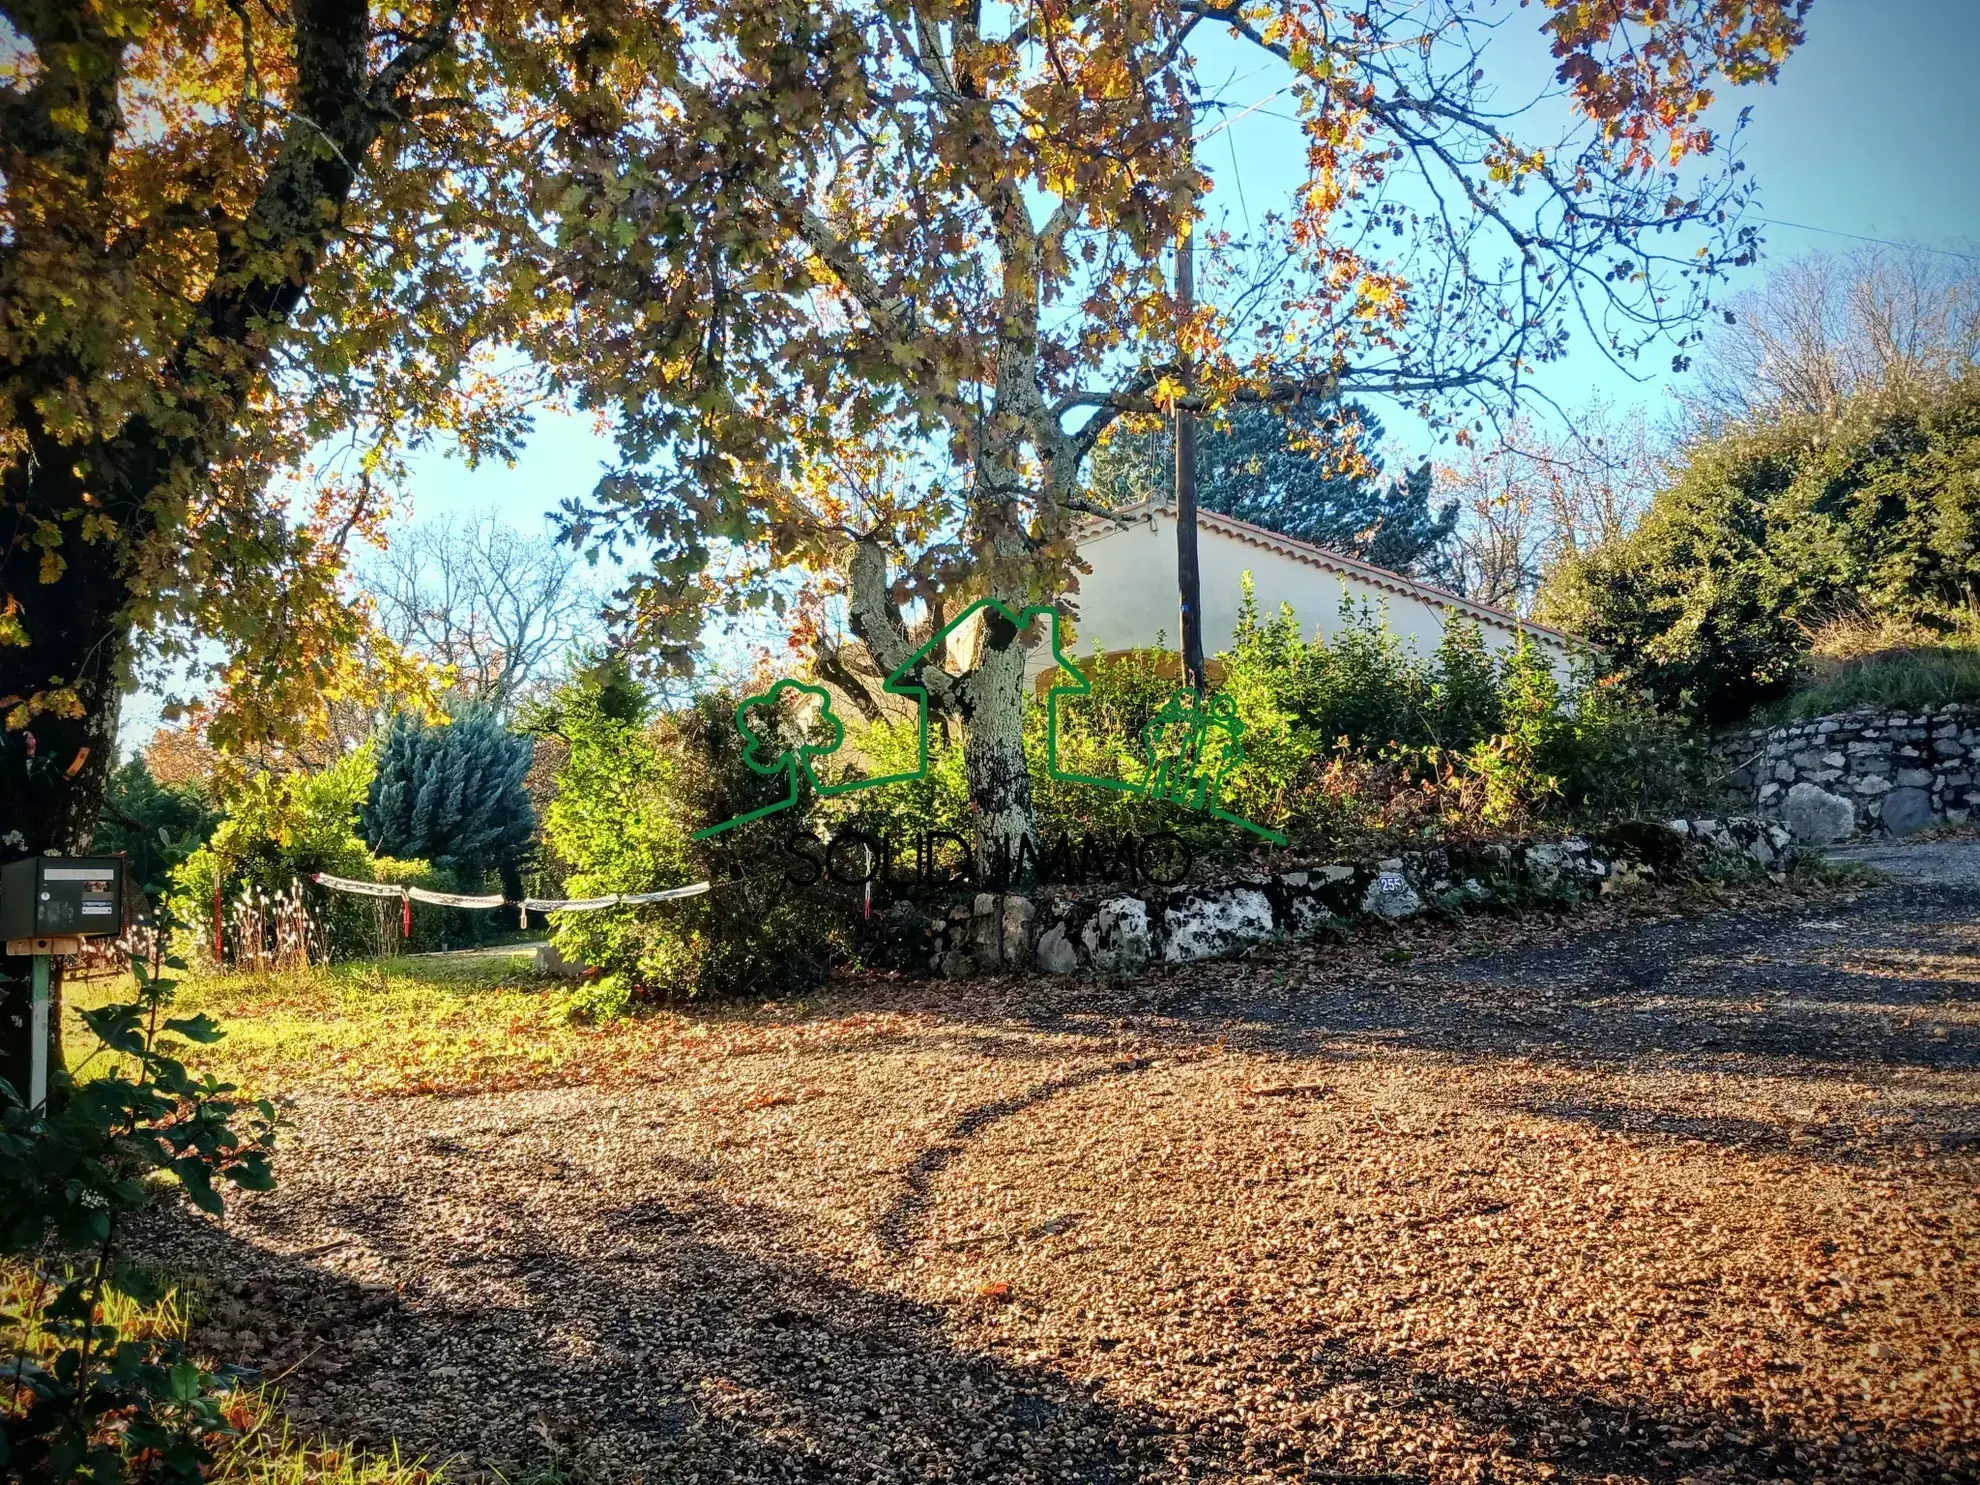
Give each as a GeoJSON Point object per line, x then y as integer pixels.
{"type": "Point", "coordinates": [1122, 931]}
{"type": "Point", "coordinates": [1859, 773]}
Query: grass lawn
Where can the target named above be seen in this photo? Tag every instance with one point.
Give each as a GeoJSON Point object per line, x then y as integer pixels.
{"type": "Point", "coordinates": [427, 1024]}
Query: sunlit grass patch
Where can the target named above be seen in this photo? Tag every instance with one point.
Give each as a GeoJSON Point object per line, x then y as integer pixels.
{"type": "Point", "coordinates": [1867, 662]}
{"type": "Point", "coordinates": [439, 1024]}
{"type": "Point", "coordinates": [400, 1025]}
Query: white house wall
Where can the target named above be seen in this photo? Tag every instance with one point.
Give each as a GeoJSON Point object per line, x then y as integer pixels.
{"type": "Point", "coordinates": [1129, 600]}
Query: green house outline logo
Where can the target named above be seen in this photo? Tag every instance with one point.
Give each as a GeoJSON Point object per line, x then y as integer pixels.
{"type": "Point", "coordinates": [1190, 775]}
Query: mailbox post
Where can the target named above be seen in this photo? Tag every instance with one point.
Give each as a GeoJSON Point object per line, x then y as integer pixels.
{"type": "Point", "coordinates": [48, 905]}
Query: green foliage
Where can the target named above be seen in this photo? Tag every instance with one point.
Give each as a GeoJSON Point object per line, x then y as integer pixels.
{"type": "Point", "coordinates": [95, 1404]}
{"type": "Point", "coordinates": [629, 799]}
{"type": "Point", "coordinates": [1289, 471]}
{"type": "Point", "coordinates": [1344, 740]}
{"type": "Point", "coordinates": [1351, 738]}
{"type": "Point", "coordinates": [281, 826]}
{"type": "Point", "coordinates": [452, 795]}
{"type": "Point", "coordinates": [1898, 680]}
{"type": "Point", "coordinates": [1768, 532]}
{"type": "Point", "coordinates": [278, 830]}
{"type": "Point", "coordinates": [607, 998]}
{"type": "Point", "coordinates": [156, 825]}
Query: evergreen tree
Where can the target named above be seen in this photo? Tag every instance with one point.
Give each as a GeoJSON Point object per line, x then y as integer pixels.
{"type": "Point", "coordinates": [1252, 467]}
{"type": "Point", "coordinates": [1771, 529]}
{"type": "Point", "coordinates": [453, 795]}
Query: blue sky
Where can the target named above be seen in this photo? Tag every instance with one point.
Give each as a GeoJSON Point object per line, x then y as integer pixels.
{"type": "Point", "coordinates": [1873, 129]}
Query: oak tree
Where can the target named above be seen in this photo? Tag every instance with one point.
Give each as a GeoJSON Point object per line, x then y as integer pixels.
{"type": "Point", "coordinates": [251, 254]}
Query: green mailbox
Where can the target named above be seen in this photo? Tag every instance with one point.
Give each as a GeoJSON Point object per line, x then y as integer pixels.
{"type": "Point", "coordinates": [62, 897]}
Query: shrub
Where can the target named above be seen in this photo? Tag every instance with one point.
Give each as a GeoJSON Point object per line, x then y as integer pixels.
{"type": "Point", "coordinates": [1349, 739]}
{"type": "Point", "coordinates": [277, 832]}
{"type": "Point", "coordinates": [89, 1402]}
{"type": "Point", "coordinates": [1769, 531]}
{"type": "Point", "coordinates": [634, 790]}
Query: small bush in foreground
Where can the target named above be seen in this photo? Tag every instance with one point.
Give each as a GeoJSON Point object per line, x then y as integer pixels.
{"type": "Point", "coordinates": [87, 1398]}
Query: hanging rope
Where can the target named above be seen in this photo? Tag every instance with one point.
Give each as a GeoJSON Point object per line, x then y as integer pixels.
{"type": "Point", "coordinates": [410, 895]}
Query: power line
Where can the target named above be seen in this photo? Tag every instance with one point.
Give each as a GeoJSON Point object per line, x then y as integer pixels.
{"type": "Point", "coordinates": [1209, 135]}
{"type": "Point", "coordinates": [1237, 174]}
{"type": "Point", "coordinates": [1880, 241]}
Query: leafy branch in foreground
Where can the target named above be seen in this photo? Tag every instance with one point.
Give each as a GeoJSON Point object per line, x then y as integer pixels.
{"type": "Point", "coordinates": [80, 1399]}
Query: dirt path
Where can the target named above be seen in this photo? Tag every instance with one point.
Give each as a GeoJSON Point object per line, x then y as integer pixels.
{"type": "Point", "coordinates": [1693, 1199]}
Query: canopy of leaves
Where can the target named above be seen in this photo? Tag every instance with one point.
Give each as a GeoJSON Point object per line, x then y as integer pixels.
{"type": "Point", "coordinates": [1291, 471]}
{"type": "Point", "coordinates": [250, 257]}
{"type": "Point", "coordinates": [451, 795]}
{"type": "Point", "coordinates": [1770, 531]}
{"type": "Point", "coordinates": [953, 281]}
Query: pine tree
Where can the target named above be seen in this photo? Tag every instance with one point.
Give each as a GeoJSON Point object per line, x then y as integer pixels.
{"type": "Point", "coordinates": [453, 795]}
{"type": "Point", "coordinates": [1250, 467]}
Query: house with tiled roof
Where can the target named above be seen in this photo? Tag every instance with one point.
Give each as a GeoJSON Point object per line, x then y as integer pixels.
{"type": "Point", "coordinates": [1129, 599]}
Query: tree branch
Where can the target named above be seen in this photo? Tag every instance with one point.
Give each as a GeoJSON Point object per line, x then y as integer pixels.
{"type": "Point", "coordinates": [877, 621]}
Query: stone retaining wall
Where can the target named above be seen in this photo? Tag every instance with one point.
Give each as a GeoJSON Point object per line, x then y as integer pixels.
{"type": "Point", "coordinates": [1859, 773]}
{"type": "Point", "coordinates": [1123, 931]}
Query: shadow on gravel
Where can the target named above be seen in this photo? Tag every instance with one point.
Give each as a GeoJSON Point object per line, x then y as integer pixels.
{"type": "Point", "coordinates": [1889, 979]}
{"type": "Point", "coordinates": [1806, 990]}
{"type": "Point", "coordinates": [673, 1352]}
{"type": "Point", "coordinates": [689, 1336]}
{"type": "Point", "coordinates": [896, 1224]}
{"type": "Point", "coordinates": [684, 1352]}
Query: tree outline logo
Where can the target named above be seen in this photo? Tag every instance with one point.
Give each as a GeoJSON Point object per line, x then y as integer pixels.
{"type": "Point", "coordinates": [1189, 776]}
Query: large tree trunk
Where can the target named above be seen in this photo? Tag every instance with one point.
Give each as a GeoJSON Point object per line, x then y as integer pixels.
{"type": "Point", "coordinates": [989, 701]}
{"type": "Point", "coordinates": [53, 771]}
{"type": "Point", "coordinates": [65, 611]}
{"type": "Point", "coordinates": [993, 749]}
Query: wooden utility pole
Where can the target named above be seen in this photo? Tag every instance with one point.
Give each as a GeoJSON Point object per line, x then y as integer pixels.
{"type": "Point", "coordinates": [1189, 577]}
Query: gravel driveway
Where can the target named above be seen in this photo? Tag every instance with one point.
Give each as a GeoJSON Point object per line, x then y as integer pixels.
{"type": "Point", "coordinates": [1658, 1200]}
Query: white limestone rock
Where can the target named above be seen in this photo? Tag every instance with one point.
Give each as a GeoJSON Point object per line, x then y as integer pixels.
{"type": "Point", "coordinates": [1116, 936]}
{"type": "Point", "coordinates": [1818, 817]}
{"type": "Point", "coordinates": [1390, 895]}
{"type": "Point", "coordinates": [1213, 923]}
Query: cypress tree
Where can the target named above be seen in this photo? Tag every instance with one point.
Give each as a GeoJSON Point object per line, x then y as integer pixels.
{"type": "Point", "coordinates": [453, 795]}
